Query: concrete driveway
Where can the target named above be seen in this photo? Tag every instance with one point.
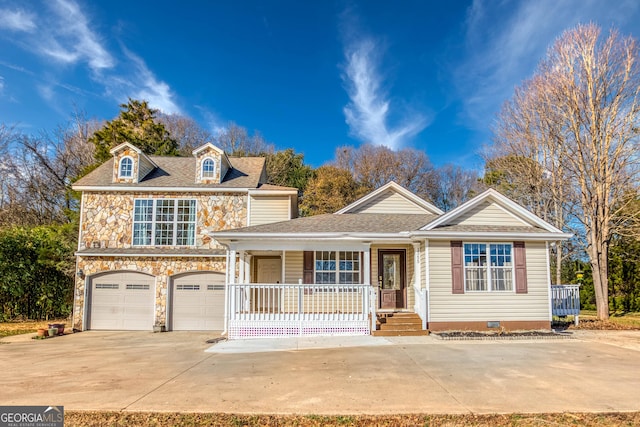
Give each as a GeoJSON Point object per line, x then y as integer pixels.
{"type": "Point", "coordinates": [140, 371]}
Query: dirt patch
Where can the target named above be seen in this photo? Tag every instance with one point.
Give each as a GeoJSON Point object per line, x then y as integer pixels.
{"type": "Point", "coordinates": [500, 335]}
{"type": "Point", "coordinates": [27, 327]}
{"type": "Point", "coordinates": [76, 418]}
{"type": "Point", "coordinates": [592, 324]}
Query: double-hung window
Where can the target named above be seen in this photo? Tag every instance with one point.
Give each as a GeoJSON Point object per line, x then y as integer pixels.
{"type": "Point", "coordinates": [488, 267]}
{"type": "Point", "coordinates": [337, 267]}
{"type": "Point", "coordinates": [126, 167]}
{"type": "Point", "coordinates": [208, 168]}
{"type": "Point", "coordinates": [164, 222]}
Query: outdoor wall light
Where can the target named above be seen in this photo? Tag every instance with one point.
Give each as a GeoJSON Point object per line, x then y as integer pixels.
{"type": "Point", "coordinates": [80, 273]}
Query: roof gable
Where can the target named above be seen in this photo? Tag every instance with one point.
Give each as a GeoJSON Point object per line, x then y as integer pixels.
{"type": "Point", "coordinates": [491, 209]}
{"type": "Point", "coordinates": [391, 198]}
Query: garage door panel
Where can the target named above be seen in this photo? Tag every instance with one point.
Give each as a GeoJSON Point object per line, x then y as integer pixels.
{"type": "Point", "coordinates": [198, 301]}
{"type": "Point", "coordinates": [122, 301]}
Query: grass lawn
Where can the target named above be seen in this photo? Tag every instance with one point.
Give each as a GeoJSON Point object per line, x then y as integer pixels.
{"type": "Point", "coordinates": [18, 328]}
{"type": "Point", "coordinates": [77, 418]}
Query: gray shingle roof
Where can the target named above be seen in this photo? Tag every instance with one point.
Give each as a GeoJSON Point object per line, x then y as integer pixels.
{"type": "Point", "coordinates": [345, 223]}
{"type": "Point", "coordinates": [181, 172]}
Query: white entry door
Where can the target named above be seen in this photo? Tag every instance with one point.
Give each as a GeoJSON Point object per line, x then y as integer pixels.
{"type": "Point", "coordinates": [198, 301]}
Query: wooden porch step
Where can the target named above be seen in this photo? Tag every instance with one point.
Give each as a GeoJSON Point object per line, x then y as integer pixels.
{"type": "Point", "coordinates": [414, 333]}
{"type": "Point", "coordinates": [399, 324]}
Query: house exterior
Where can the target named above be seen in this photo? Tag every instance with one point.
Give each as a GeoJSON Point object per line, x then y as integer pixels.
{"type": "Point", "coordinates": [482, 265]}
{"type": "Point", "coordinates": [205, 244]}
{"type": "Point", "coordinates": [145, 256]}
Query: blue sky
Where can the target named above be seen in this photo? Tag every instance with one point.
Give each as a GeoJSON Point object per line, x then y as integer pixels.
{"type": "Point", "coordinates": [310, 75]}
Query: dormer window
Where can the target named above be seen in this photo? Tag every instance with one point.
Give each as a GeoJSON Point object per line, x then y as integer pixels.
{"type": "Point", "coordinates": [208, 168]}
{"type": "Point", "coordinates": [126, 167]}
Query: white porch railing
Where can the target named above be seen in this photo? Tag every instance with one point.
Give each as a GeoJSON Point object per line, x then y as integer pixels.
{"type": "Point", "coordinates": [565, 300]}
{"type": "Point", "coordinates": [276, 310]}
{"type": "Point", "coordinates": [421, 304]}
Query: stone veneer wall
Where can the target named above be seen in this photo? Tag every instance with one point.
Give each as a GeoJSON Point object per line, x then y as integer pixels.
{"type": "Point", "coordinates": [107, 218]}
{"type": "Point", "coordinates": [116, 165]}
{"type": "Point", "coordinates": [217, 160]}
{"type": "Point", "coordinates": [160, 267]}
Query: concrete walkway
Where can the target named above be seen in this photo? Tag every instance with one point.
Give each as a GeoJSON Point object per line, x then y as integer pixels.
{"type": "Point", "coordinates": [172, 372]}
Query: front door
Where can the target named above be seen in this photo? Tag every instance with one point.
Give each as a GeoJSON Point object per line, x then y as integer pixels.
{"type": "Point", "coordinates": [267, 270]}
{"type": "Point", "coordinates": [391, 278]}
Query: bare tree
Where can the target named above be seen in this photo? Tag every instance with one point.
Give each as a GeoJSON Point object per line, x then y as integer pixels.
{"type": "Point", "coordinates": [189, 134]}
{"type": "Point", "coordinates": [453, 186]}
{"type": "Point", "coordinates": [38, 173]}
{"type": "Point", "coordinates": [375, 165]}
{"type": "Point", "coordinates": [578, 118]}
{"type": "Point", "coordinates": [236, 140]}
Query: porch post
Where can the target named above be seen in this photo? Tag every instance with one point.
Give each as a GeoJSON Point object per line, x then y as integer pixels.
{"type": "Point", "coordinates": [232, 266]}
{"type": "Point", "coordinates": [417, 271]}
{"type": "Point", "coordinates": [366, 268]}
{"type": "Point", "coordinates": [242, 267]}
{"type": "Point", "coordinates": [247, 267]}
{"type": "Point", "coordinates": [366, 271]}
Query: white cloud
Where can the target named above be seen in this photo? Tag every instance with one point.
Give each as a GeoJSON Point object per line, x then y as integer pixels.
{"type": "Point", "coordinates": [506, 40]}
{"type": "Point", "coordinates": [1, 84]}
{"type": "Point", "coordinates": [72, 39]}
{"type": "Point", "coordinates": [367, 113]}
{"type": "Point", "coordinates": [143, 84]}
{"type": "Point", "coordinates": [68, 36]}
{"type": "Point", "coordinates": [17, 20]}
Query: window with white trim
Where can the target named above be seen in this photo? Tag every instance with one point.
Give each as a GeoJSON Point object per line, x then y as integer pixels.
{"type": "Point", "coordinates": [488, 267]}
{"type": "Point", "coordinates": [126, 167]}
{"type": "Point", "coordinates": [164, 222]}
{"type": "Point", "coordinates": [208, 168]}
{"type": "Point", "coordinates": [337, 267]}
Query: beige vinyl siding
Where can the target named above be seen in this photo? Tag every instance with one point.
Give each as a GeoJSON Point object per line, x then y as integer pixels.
{"type": "Point", "coordinates": [145, 168]}
{"type": "Point", "coordinates": [445, 306]}
{"type": "Point", "coordinates": [390, 202]}
{"type": "Point", "coordinates": [267, 209]}
{"type": "Point", "coordinates": [409, 274]}
{"type": "Point", "coordinates": [488, 214]}
{"type": "Point", "coordinates": [293, 266]}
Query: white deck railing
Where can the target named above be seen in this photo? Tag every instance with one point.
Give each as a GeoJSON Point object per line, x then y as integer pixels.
{"type": "Point", "coordinates": [421, 304]}
{"type": "Point", "coordinates": [565, 300]}
{"type": "Point", "coordinates": [275, 310]}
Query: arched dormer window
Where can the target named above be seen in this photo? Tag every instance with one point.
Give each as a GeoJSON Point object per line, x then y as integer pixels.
{"type": "Point", "coordinates": [208, 168]}
{"type": "Point", "coordinates": [126, 167]}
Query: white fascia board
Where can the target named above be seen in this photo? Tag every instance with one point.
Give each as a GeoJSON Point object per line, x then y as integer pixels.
{"type": "Point", "coordinates": [398, 188]}
{"type": "Point", "coordinates": [160, 189]}
{"type": "Point", "coordinates": [498, 198]}
{"type": "Point", "coordinates": [493, 235]}
{"type": "Point", "coordinates": [115, 254]}
{"type": "Point", "coordinates": [125, 144]}
{"type": "Point", "coordinates": [208, 145]}
{"type": "Point", "coordinates": [299, 245]}
{"type": "Point", "coordinates": [258, 192]}
{"type": "Point", "coordinates": [229, 236]}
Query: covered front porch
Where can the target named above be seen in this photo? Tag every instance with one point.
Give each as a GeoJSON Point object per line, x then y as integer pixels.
{"type": "Point", "coordinates": [321, 288]}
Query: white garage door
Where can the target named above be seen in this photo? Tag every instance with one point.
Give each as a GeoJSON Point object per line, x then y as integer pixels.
{"type": "Point", "coordinates": [122, 301]}
{"type": "Point", "coordinates": [198, 302]}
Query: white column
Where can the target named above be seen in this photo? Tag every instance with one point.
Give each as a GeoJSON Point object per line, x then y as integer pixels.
{"type": "Point", "coordinates": [417, 268]}
{"type": "Point", "coordinates": [366, 268]}
{"type": "Point", "coordinates": [232, 266]}
{"type": "Point", "coordinates": [242, 268]}
{"type": "Point", "coordinates": [247, 266]}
